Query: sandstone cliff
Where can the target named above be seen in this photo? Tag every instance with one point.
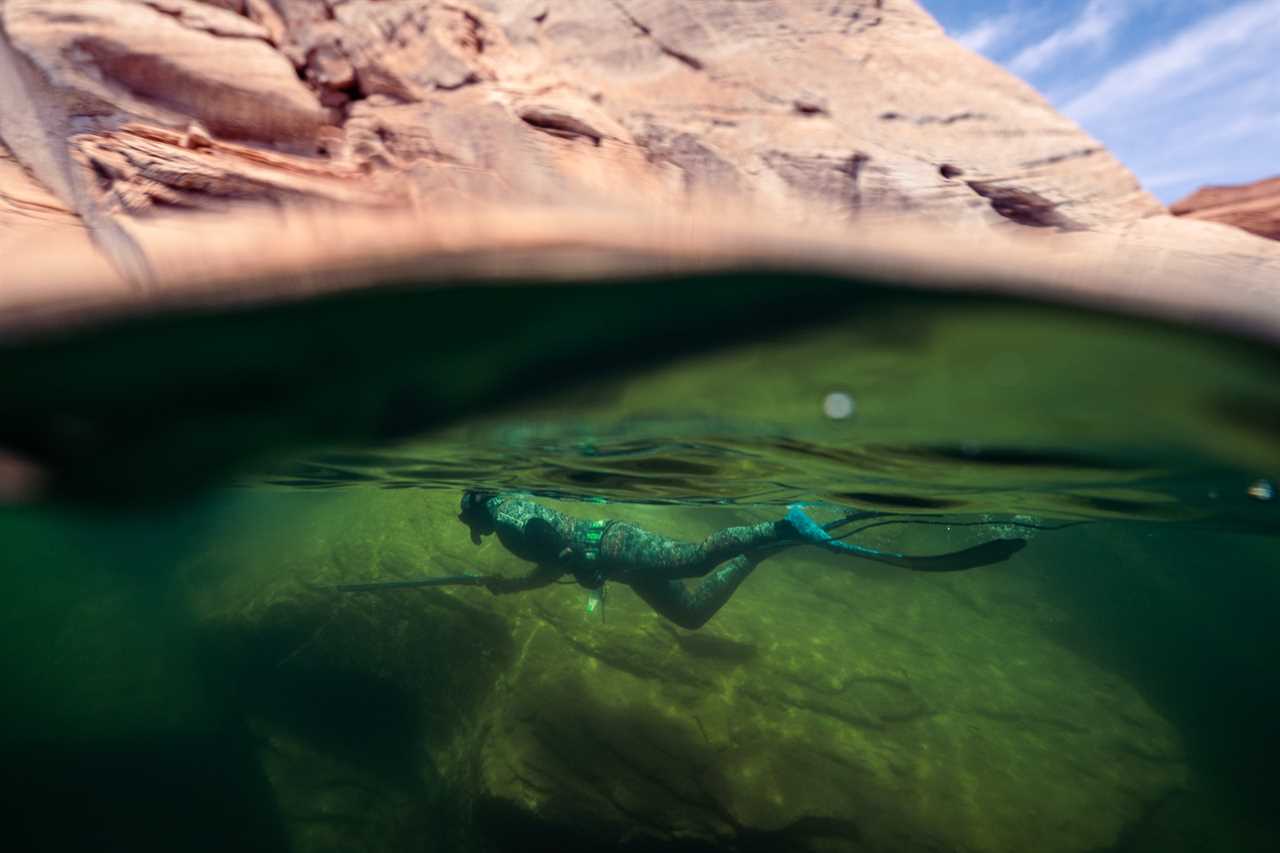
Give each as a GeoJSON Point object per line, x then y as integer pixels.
{"type": "Point", "coordinates": [1254, 207]}
{"type": "Point", "coordinates": [778, 118]}
{"type": "Point", "coordinates": [145, 105]}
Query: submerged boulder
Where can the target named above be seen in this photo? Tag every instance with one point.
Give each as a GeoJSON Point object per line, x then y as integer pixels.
{"type": "Point", "coordinates": [830, 706]}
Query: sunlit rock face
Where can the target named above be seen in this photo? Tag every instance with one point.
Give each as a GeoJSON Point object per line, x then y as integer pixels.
{"type": "Point", "coordinates": [201, 145]}
{"type": "Point", "coordinates": [1253, 207]}
{"type": "Point", "coordinates": [130, 110]}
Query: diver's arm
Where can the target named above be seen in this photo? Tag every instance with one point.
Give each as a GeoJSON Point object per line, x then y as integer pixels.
{"type": "Point", "coordinates": [542, 575]}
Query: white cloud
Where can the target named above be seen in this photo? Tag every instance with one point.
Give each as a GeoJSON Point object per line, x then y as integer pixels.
{"type": "Point", "coordinates": [1241, 42]}
{"type": "Point", "coordinates": [990, 33]}
{"type": "Point", "coordinates": [1202, 107]}
{"type": "Point", "coordinates": [1091, 29]}
{"type": "Point", "coordinates": [1184, 92]}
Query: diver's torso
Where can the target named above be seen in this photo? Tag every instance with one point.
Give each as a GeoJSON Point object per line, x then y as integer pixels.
{"type": "Point", "coordinates": [512, 515]}
{"type": "Point", "coordinates": [540, 535]}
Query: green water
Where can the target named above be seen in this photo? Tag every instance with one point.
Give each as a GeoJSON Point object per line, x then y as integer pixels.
{"type": "Point", "coordinates": [178, 675]}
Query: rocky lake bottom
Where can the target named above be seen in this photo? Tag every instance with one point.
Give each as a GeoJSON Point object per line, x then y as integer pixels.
{"type": "Point", "coordinates": [181, 674]}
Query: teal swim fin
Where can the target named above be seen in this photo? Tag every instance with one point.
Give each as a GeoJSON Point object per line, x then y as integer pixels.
{"type": "Point", "coordinates": [986, 554]}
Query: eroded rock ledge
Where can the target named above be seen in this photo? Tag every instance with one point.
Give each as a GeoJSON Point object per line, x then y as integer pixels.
{"type": "Point", "coordinates": [131, 109]}
{"type": "Point", "coordinates": [266, 148]}
{"type": "Point", "coordinates": [1252, 207]}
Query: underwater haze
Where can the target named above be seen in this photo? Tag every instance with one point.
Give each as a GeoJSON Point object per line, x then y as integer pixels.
{"type": "Point", "coordinates": [182, 673]}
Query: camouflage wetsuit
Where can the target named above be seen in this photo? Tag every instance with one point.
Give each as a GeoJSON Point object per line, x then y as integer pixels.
{"type": "Point", "coordinates": [598, 551]}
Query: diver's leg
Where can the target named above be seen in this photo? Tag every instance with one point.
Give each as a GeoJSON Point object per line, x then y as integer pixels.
{"type": "Point", "coordinates": [692, 608]}
{"type": "Point", "coordinates": [639, 554]}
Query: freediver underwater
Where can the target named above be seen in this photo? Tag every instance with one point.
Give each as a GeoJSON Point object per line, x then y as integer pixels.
{"type": "Point", "coordinates": [597, 551]}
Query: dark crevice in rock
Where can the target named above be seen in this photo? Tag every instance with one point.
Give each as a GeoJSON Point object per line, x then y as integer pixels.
{"type": "Point", "coordinates": [678, 55]}
{"type": "Point", "coordinates": [330, 74]}
{"type": "Point", "coordinates": [474, 38]}
{"type": "Point", "coordinates": [931, 119]}
{"type": "Point", "coordinates": [471, 79]}
{"type": "Point", "coordinates": [686, 59]}
{"type": "Point", "coordinates": [1067, 155]}
{"type": "Point", "coordinates": [949, 171]}
{"type": "Point", "coordinates": [853, 166]}
{"type": "Point", "coordinates": [809, 107]}
{"type": "Point", "coordinates": [1023, 206]}
{"type": "Point", "coordinates": [559, 123]}
{"type": "Point", "coordinates": [106, 180]}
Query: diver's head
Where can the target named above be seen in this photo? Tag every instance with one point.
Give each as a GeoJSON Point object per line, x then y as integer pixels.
{"type": "Point", "coordinates": [474, 514]}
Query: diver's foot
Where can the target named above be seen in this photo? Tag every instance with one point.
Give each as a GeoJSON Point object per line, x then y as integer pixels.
{"type": "Point", "coordinates": [806, 529]}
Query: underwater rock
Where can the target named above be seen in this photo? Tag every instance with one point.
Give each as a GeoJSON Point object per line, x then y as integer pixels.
{"type": "Point", "coordinates": [353, 700]}
{"type": "Point", "coordinates": [829, 706]}
{"type": "Point", "coordinates": [1253, 207]}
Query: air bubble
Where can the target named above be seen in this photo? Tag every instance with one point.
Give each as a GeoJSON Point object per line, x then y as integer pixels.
{"type": "Point", "coordinates": [838, 406]}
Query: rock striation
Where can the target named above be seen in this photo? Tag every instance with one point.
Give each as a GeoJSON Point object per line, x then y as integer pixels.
{"type": "Point", "coordinates": [865, 106]}
{"type": "Point", "coordinates": [1253, 207]}
{"type": "Point", "coordinates": [137, 109]}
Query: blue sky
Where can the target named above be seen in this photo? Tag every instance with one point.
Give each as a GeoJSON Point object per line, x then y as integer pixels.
{"type": "Point", "coordinates": [1185, 92]}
